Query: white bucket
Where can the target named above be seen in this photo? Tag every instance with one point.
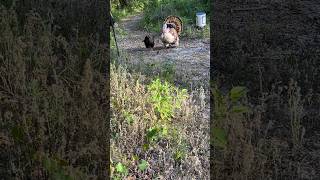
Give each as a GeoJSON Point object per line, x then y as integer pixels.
{"type": "Point", "coordinates": [201, 19]}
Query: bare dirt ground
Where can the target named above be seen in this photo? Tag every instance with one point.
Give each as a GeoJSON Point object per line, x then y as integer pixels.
{"type": "Point", "coordinates": [191, 59]}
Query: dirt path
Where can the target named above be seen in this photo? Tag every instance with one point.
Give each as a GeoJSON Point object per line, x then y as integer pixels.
{"type": "Point", "coordinates": [191, 59]}
{"type": "Point", "coordinates": [191, 67]}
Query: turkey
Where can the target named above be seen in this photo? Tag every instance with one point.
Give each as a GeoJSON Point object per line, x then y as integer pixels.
{"type": "Point", "coordinates": [171, 29]}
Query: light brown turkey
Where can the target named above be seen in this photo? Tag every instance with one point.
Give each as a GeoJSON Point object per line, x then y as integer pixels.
{"type": "Point", "coordinates": [171, 30]}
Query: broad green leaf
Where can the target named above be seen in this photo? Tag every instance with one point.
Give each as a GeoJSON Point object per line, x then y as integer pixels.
{"type": "Point", "coordinates": [220, 137]}
{"type": "Point", "coordinates": [121, 168]}
{"type": "Point", "coordinates": [48, 164]}
{"type": "Point", "coordinates": [240, 109]}
{"type": "Point", "coordinates": [143, 165]}
{"type": "Point", "coordinates": [129, 118]}
{"type": "Point", "coordinates": [178, 155]}
{"type": "Point", "coordinates": [145, 147]}
{"type": "Point", "coordinates": [152, 133]}
{"type": "Point", "coordinates": [135, 157]}
{"type": "Point", "coordinates": [51, 165]}
{"type": "Point", "coordinates": [237, 92]}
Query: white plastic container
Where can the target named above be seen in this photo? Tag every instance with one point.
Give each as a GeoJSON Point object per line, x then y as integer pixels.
{"type": "Point", "coordinates": [201, 19]}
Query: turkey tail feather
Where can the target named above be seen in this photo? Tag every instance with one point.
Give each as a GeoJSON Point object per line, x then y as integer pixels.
{"type": "Point", "coordinates": [176, 21]}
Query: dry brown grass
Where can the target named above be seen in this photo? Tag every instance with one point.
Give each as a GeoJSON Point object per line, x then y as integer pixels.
{"type": "Point", "coordinates": [52, 100]}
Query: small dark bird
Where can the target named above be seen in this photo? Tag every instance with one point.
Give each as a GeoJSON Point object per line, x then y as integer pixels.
{"type": "Point", "coordinates": [148, 41]}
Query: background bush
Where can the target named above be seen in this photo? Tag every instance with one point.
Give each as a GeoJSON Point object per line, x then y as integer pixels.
{"type": "Point", "coordinates": [157, 10]}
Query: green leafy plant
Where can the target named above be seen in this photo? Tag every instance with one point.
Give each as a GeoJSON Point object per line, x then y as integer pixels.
{"type": "Point", "coordinates": [59, 169]}
{"type": "Point", "coordinates": [237, 92]}
{"type": "Point", "coordinates": [220, 137]}
{"type": "Point", "coordinates": [161, 98]}
{"type": "Point", "coordinates": [165, 98]}
{"type": "Point", "coordinates": [56, 172]}
{"type": "Point", "coordinates": [179, 155]}
{"type": "Point", "coordinates": [226, 107]}
{"type": "Point", "coordinates": [143, 165]}
{"type": "Point", "coordinates": [129, 117]}
{"type": "Point", "coordinates": [153, 134]}
{"type": "Point", "coordinates": [121, 169]}
{"type": "Point", "coordinates": [118, 170]}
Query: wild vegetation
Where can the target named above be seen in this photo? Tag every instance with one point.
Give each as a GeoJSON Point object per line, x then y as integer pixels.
{"type": "Point", "coordinates": [158, 133]}
{"type": "Point", "coordinates": [54, 94]}
{"type": "Point", "coordinates": [53, 90]}
{"type": "Point", "coordinates": [265, 115]}
{"type": "Point", "coordinates": [159, 123]}
{"type": "Point", "coordinates": [155, 11]}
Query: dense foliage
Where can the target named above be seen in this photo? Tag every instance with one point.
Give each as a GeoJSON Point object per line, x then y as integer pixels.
{"type": "Point", "coordinates": [157, 10]}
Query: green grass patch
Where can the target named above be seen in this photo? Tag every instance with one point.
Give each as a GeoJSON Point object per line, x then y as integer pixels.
{"type": "Point", "coordinates": [156, 11]}
{"type": "Point", "coordinates": [133, 7]}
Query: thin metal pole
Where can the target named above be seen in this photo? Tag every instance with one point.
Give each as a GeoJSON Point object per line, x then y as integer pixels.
{"type": "Point", "coordinates": [114, 34]}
